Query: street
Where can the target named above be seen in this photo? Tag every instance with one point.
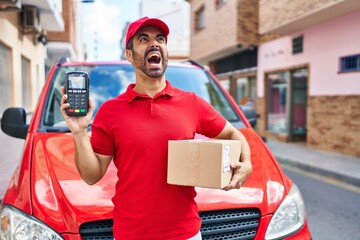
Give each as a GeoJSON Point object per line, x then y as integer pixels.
{"type": "Point", "coordinates": [333, 207]}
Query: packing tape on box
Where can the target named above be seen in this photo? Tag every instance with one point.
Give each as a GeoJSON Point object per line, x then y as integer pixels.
{"type": "Point", "coordinates": [194, 166]}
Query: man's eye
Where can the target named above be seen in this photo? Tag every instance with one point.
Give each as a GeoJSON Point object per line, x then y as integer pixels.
{"type": "Point", "coordinates": [161, 39]}
{"type": "Point", "coordinates": [142, 39]}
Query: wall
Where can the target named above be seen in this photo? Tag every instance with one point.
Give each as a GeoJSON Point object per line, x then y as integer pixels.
{"type": "Point", "coordinates": [323, 46]}
{"type": "Point", "coordinates": [248, 22]}
{"type": "Point", "coordinates": [330, 41]}
{"type": "Point", "coordinates": [222, 20]}
{"type": "Point", "coordinates": [177, 17]}
{"type": "Point", "coordinates": [22, 45]}
{"type": "Point", "coordinates": [69, 8]}
{"type": "Point", "coordinates": [277, 13]}
{"type": "Point", "coordinates": [229, 28]}
{"type": "Point", "coordinates": [333, 122]}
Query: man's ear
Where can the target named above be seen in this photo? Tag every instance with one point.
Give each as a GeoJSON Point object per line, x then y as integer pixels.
{"type": "Point", "coordinates": [129, 55]}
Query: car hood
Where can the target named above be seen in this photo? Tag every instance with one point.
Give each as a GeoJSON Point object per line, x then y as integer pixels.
{"type": "Point", "coordinates": [64, 200]}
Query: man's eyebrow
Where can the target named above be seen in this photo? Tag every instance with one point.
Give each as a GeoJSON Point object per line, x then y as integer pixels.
{"type": "Point", "coordinates": [147, 35]}
{"type": "Point", "coordinates": [143, 35]}
{"type": "Point", "coordinates": [160, 35]}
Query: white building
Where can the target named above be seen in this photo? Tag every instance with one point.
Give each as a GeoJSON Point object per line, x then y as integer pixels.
{"type": "Point", "coordinates": [28, 31]}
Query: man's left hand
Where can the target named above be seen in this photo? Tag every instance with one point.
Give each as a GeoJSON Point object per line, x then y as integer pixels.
{"type": "Point", "coordinates": [242, 171]}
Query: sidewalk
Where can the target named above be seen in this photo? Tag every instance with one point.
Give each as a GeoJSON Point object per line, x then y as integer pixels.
{"type": "Point", "coordinates": [342, 167]}
{"type": "Point", "coordinates": [10, 149]}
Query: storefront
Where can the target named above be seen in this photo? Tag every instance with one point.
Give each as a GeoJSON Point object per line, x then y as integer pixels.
{"type": "Point", "coordinates": [241, 86]}
{"type": "Point", "coordinates": [286, 103]}
{"type": "Point", "coordinates": [237, 74]}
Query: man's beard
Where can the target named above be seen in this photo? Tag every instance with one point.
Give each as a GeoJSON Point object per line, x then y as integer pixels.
{"type": "Point", "coordinates": [140, 62]}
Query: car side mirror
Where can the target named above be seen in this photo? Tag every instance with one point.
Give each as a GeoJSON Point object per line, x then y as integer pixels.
{"type": "Point", "coordinates": [13, 122]}
{"type": "Point", "coordinates": [250, 114]}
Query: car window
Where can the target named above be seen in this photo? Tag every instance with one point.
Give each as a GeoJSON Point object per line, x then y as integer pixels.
{"type": "Point", "coordinates": [198, 81]}
{"type": "Point", "coordinates": [108, 81]}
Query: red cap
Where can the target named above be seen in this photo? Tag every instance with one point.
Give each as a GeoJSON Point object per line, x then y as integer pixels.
{"type": "Point", "coordinates": [145, 21]}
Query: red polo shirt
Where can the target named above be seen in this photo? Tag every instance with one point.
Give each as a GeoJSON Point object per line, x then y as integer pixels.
{"type": "Point", "coordinates": [135, 128]}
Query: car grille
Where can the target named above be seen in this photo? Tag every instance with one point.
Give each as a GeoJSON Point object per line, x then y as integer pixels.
{"type": "Point", "coordinates": [229, 224]}
{"type": "Point", "coordinates": [97, 230]}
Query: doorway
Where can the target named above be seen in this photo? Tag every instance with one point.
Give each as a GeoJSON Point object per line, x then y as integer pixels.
{"type": "Point", "coordinates": [298, 109]}
{"type": "Point", "coordinates": [287, 103]}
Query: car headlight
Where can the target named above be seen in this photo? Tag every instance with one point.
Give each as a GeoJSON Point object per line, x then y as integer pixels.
{"type": "Point", "coordinates": [289, 217]}
{"type": "Point", "coordinates": [17, 225]}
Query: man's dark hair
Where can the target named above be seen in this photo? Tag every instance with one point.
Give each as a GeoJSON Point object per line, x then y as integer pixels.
{"type": "Point", "coordinates": [130, 45]}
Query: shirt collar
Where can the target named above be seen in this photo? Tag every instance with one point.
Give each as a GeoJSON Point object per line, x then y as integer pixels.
{"type": "Point", "coordinates": [131, 94]}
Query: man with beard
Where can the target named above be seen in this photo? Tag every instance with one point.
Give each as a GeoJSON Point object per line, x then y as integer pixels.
{"type": "Point", "coordinates": [133, 130]}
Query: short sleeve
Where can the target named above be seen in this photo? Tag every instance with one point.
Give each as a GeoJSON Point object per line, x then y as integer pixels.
{"type": "Point", "coordinates": [210, 122]}
{"type": "Point", "coordinates": [101, 139]}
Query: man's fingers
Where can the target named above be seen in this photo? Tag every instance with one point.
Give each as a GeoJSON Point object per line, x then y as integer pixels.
{"type": "Point", "coordinates": [235, 180]}
{"type": "Point", "coordinates": [232, 185]}
{"type": "Point", "coordinates": [235, 165]}
{"type": "Point", "coordinates": [239, 176]}
{"type": "Point", "coordinates": [91, 106]}
{"type": "Point", "coordinates": [64, 105]}
{"type": "Point", "coordinates": [91, 103]}
{"type": "Point", "coordinates": [238, 185]}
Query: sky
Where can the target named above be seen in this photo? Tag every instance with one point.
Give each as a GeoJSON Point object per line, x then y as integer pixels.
{"type": "Point", "coordinates": [102, 25]}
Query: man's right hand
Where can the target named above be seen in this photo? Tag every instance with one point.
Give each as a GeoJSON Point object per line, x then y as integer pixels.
{"type": "Point", "coordinates": [90, 165]}
{"type": "Point", "coordinates": [76, 124]}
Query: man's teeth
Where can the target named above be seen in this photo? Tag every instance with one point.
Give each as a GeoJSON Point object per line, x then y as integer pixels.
{"type": "Point", "coordinates": [154, 57]}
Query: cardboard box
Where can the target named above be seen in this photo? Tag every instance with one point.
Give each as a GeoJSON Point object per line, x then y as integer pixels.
{"type": "Point", "coordinates": [202, 163]}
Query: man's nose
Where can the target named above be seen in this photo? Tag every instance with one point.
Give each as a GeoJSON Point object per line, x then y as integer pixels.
{"type": "Point", "coordinates": [154, 43]}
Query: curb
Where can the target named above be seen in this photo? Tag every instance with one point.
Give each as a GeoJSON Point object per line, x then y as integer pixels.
{"type": "Point", "coordinates": [324, 172]}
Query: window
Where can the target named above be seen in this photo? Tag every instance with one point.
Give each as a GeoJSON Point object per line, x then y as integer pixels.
{"type": "Point", "coordinates": [219, 3]}
{"type": "Point", "coordinates": [226, 84]}
{"type": "Point", "coordinates": [26, 86]}
{"type": "Point", "coordinates": [287, 103]}
{"type": "Point", "coordinates": [350, 63]}
{"type": "Point", "coordinates": [4, 78]}
{"type": "Point", "coordinates": [108, 81]}
{"type": "Point", "coordinates": [299, 101]}
{"type": "Point", "coordinates": [200, 19]}
{"type": "Point", "coordinates": [297, 44]}
{"type": "Point", "coordinates": [246, 91]}
{"type": "Point", "coordinates": [277, 121]}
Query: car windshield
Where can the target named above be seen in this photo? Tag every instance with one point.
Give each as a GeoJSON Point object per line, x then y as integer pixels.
{"type": "Point", "coordinates": [108, 81]}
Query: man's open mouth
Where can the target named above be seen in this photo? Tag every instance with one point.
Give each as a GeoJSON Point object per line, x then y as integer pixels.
{"type": "Point", "coordinates": [154, 58]}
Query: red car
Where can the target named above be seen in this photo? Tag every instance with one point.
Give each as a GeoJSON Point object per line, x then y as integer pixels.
{"type": "Point", "coordinates": [47, 199]}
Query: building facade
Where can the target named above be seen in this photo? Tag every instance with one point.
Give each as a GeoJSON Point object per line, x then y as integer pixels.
{"type": "Point", "coordinates": [67, 43]}
{"type": "Point", "coordinates": [224, 36]}
{"type": "Point", "coordinates": [305, 79]}
{"type": "Point", "coordinates": [308, 78]}
{"type": "Point", "coordinates": [30, 33]}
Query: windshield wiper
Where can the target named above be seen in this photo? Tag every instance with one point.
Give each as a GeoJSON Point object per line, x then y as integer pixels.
{"type": "Point", "coordinates": [56, 129]}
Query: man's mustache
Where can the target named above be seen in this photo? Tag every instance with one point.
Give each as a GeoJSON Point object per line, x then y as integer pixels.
{"type": "Point", "coordinates": [154, 50]}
